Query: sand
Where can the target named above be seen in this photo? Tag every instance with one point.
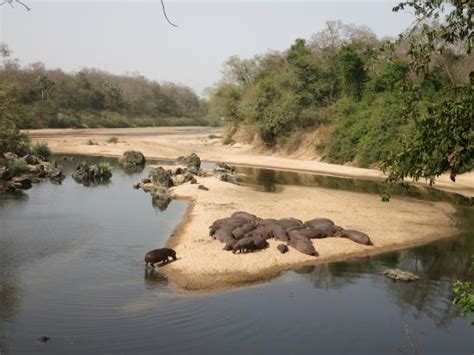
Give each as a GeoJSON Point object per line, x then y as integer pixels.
{"type": "Point", "coordinates": [202, 265]}
{"type": "Point", "coordinates": [171, 142]}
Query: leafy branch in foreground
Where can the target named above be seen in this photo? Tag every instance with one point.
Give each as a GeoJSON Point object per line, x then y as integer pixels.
{"type": "Point", "coordinates": [443, 131]}
{"type": "Point", "coordinates": [464, 295]}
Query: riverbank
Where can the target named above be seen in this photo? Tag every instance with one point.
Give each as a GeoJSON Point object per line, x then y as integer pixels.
{"type": "Point", "coordinates": [171, 142]}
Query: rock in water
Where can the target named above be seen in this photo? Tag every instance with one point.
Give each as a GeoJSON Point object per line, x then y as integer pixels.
{"type": "Point", "coordinates": [132, 158]}
{"type": "Point", "coordinates": [397, 274]}
{"type": "Point", "coordinates": [161, 177]}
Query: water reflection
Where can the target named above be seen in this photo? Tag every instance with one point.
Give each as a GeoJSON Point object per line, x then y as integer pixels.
{"type": "Point", "coordinates": [154, 279]}
{"type": "Point", "coordinates": [269, 180]}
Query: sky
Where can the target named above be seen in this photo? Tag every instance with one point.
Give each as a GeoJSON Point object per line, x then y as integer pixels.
{"type": "Point", "coordinates": [133, 36]}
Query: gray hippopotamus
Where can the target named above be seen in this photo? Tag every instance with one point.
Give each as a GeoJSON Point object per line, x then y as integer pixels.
{"type": "Point", "coordinates": [159, 255]}
{"type": "Point", "coordinates": [316, 222]}
{"type": "Point", "coordinates": [303, 246]}
{"type": "Point", "coordinates": [240, 232]}
{"type": "Point", "coordinates": [244, 215]}
{"type": "Point", "coordinates": [355, 236]}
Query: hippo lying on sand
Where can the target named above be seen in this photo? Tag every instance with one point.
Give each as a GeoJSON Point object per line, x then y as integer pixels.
{"type": "Point", "coordinates": [355, 236]}
{"type": "Point", "coordinates": [159, 255]}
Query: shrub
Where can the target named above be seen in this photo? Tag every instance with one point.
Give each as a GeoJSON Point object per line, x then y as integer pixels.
{"type": "Point", "coordinates": [18, 167]}
{"type": "Point", "coordinates": [42, 150]}
{"type": "Point", "coordinates": [213, 136]}
{"type": "Point", "coordinates": [105, 170]}
{"type": "Point", "coordinates": [228, 140]}
{"type": "Point", "coordinates": [91, 142]}
{"type": "Point", "coordinates": [113, 140]}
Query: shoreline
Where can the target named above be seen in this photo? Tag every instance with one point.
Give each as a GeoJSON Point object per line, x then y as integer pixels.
{"type": "Point", "coordinates": [203, 266]}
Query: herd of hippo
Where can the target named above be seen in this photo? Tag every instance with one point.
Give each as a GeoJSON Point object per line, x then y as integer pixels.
{"type": "Point", "coordinates": [244, 232]}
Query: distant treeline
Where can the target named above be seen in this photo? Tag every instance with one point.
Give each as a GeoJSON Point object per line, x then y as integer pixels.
{"type": "Point", "coordinates": [344, 83]}
{"type": "Point", "coordinates": [93, 98]}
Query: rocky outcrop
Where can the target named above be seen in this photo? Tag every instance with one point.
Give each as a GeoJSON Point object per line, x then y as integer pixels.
{"type": "Point", "coordinates": [161, 177]}
{"type": "Point", "coordinates": [132, 158]}
{"type": "Point", "coordinates": [92, 174]}
{"type": "Point", "coordinates": [19, 173]}
{"type": "Point", "coordinates": [400, 275]}
{"type": "Point", "coordinates": [226, 173]}
{"type": "Point", "coordinates": [192, 161]}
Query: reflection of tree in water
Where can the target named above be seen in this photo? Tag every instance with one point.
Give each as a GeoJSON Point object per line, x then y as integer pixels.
{"type": "Point", "coordinates": [9, 293]}
{"type": "Point", "coordinates": [266, 178]}
{"type": "Point", "coordinates": [160, 201]}
{"type": "Point", "coordinates": [438, 264]}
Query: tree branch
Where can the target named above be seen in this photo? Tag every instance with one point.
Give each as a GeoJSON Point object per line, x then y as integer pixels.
{"type": "Point", "coordinates": [166, 16]}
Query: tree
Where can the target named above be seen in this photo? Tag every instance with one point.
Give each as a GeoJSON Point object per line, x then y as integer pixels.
{"type": "Point", "coordinates": [352, 72]}
{"type": "Point", "coordinates": [444, 131]}
{"type": "Point", "coordinates": [45, 86]}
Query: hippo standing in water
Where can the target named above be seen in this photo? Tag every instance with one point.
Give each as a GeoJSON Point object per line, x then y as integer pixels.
{"type": "Point", "coordinates": [159, 255]}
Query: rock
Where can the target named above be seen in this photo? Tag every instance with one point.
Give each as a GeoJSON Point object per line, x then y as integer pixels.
{"type": "Point", "coordinates": [178, 179]}
{"type": "Point", "coordinates": [4, 173]}
{"type": "Point", "coordinates": [31, 159]}
{"type": "Point", "coordinates": [43, 339]}
{"type": "Point", "coordinates": [161, 177]}
{"type": "Point", "coordinates": [202, 187]}
{"type": "Point", "coordinates": [282, 248]}
{"type": "Point", "coordinates": [132, 158]}
{"type": "Point", "coordinates": [191, 161]}
{"type": "Point", "coordinates": [91, 174]}
{"type": "Point", "coordinates": [21, 182]}
{"type": "Point", "coordinates": [10, 156]}
{"type": "Point", "coordinates": [397, 274]}
{"type": "Point", "coordinates": [222, 167]}
{"type": "Point", "coordinates": [227, 178]}
{"type": "Point", "coordinates": [56, 176]}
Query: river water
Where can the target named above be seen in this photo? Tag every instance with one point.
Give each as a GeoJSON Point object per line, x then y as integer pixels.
{"type": "Point", "coordinates": [71, 268]}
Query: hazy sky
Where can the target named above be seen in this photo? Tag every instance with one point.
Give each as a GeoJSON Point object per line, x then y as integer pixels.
{"type": "Point", "coordinates": [133, 36]}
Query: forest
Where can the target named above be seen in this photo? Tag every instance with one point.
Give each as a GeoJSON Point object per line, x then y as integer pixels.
{"type": "Point", "coordinates": [353, 98]}
{"type": "Point", "coordinates": [93, 98]}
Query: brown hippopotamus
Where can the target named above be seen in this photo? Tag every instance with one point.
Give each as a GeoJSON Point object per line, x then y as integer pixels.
{"type": "Point", "coordinates": [297, 235]}
{"type": "Point", "coordinates": [289, 222]}
{"type": "Point", "coordinates": [303, 246]}
{"type": "Point", "coordinates": [230, 245]}
{"type": "Point", "coordinates": [240, 232]}
{"type": "Point", "coordinates": [226, 222]}
{"type": "Point", "coordinates": [316, 222]}
{"type": "Point", "coordinates": [159, 255]}
{"type": "Point", "coordinates": [244, 215]}
{"type": "Point", "coordinates": [322, 231]}
{"type": "Point", "coordinates": [355, 236]}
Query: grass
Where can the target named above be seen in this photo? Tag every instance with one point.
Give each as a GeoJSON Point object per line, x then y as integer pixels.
{"type": "Point", "coordinates": [105, 170]}
{"type": "Point", "coordinates": [228, 140]}
{"type": "Point", "coordinates": [213, 136]}
{"type": "Point", "coordinates": [91, 142]}
{"type": "Point", "coordinates": [113, 140]}
{"type": "Point", "coordinates": [41, 150]}
{"type": "Point", "coordinates": [18, 167]}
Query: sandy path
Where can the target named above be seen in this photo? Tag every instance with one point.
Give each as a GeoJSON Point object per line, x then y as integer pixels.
{"type": "Point", "coordinates": [203, 265]}
{"type": "Point", "coordinates": [171, 142]}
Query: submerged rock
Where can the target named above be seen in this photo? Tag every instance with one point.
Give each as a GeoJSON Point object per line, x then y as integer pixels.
{"type": "Point", "coordinates": [132, 158]}
{"type": "Point", "coordinates": [160, 198]}
{"type": "Point", "coordinates": [400, 275]}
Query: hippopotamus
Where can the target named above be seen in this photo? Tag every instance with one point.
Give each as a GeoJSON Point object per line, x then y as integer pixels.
{"type": "Point", "coordinates": [316, 222]}
{"type": "Point", "coordinates": [260, 243]}
{"type": "Point", "coordinates": [230, 245]}
{"type": "Point", "coordinates": [244, 215]}
{"type": "Point", "coordinates": [282, 248]}
{"type": "Point", "coordinates": [266, 221]}
{"type": "Point", "coordinates": [244, 245]}
{"type": "Point", "coordinates": [159, 255]}
{"type": "Point", "coordinates": [264, 232]}
{"type": "Point", "coordinates": [278, 232]}
{"type": "Point", "coordinates": [322, 231]}
{"type": "Point", "coordinates": [303, 246]}
{"type": "Point", "coordinates": [226, 222]}
{"type": "Point", "coordinates": [239, 232]}
{"type": "Point", "coordinates": [355, 236]}
{"type": "Point", "coordinates": [224, 235]}
{"type": "Point", "coordinates": [297, 235]}
{"type": "Point", "coordinates": [289, 222]}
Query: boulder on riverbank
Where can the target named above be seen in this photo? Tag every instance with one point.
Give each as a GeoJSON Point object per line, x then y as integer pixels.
{"type": "Point", "coordinates": [226, 173]}
{"type": "Point", "coordinates": [192, 161]}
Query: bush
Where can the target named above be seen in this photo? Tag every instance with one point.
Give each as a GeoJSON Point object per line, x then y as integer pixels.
{"type": "Point", "coordinates": [105, 170]}
{"type": "Point", "coordinates": [113, 140]}
{"type": "Point", "coordinates": [42, 150]}
{"type": "Point", "coordinates": [11, 139]}
{"type": "Point", "coordinates": [18, 167]}
{"type": "Point", "coordinates": [91, 142]}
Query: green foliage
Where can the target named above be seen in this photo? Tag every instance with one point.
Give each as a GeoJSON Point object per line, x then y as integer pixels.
{"type": "Point", "coordinates": [352, 72]}
{"type": "Point", "coordinates": [463, 293]}
{"type": "Point", "coordinates": [443, 140]}
{"type": "Point", "coordinates": [91, 142]}
{"type": "Point", "coordinates": [228, 140]}
{"type": "Point", "coordinates": [41, 150]}
{"type": "Point", "coordinates": [92, 98]}
{"type": "Point", "coordinates": [17, 167]}
{"type": "Point", "coordinates": [104, 170]}
{"type": "Point", "coordinates": [11, 139]}
{"type": "Point", "coordinates": [112, 140]}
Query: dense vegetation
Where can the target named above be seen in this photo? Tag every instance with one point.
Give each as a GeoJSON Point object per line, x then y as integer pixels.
{"type": "Point", "coordinates": [352, 84]}
{"type": "Point", "coordinates": [93, 98]}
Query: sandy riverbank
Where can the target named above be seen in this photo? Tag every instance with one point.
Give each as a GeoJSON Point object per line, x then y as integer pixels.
{"type": "Point", "coordinates": [203, 265]}
{"type": "Point", "coordinates": [171, 142]}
